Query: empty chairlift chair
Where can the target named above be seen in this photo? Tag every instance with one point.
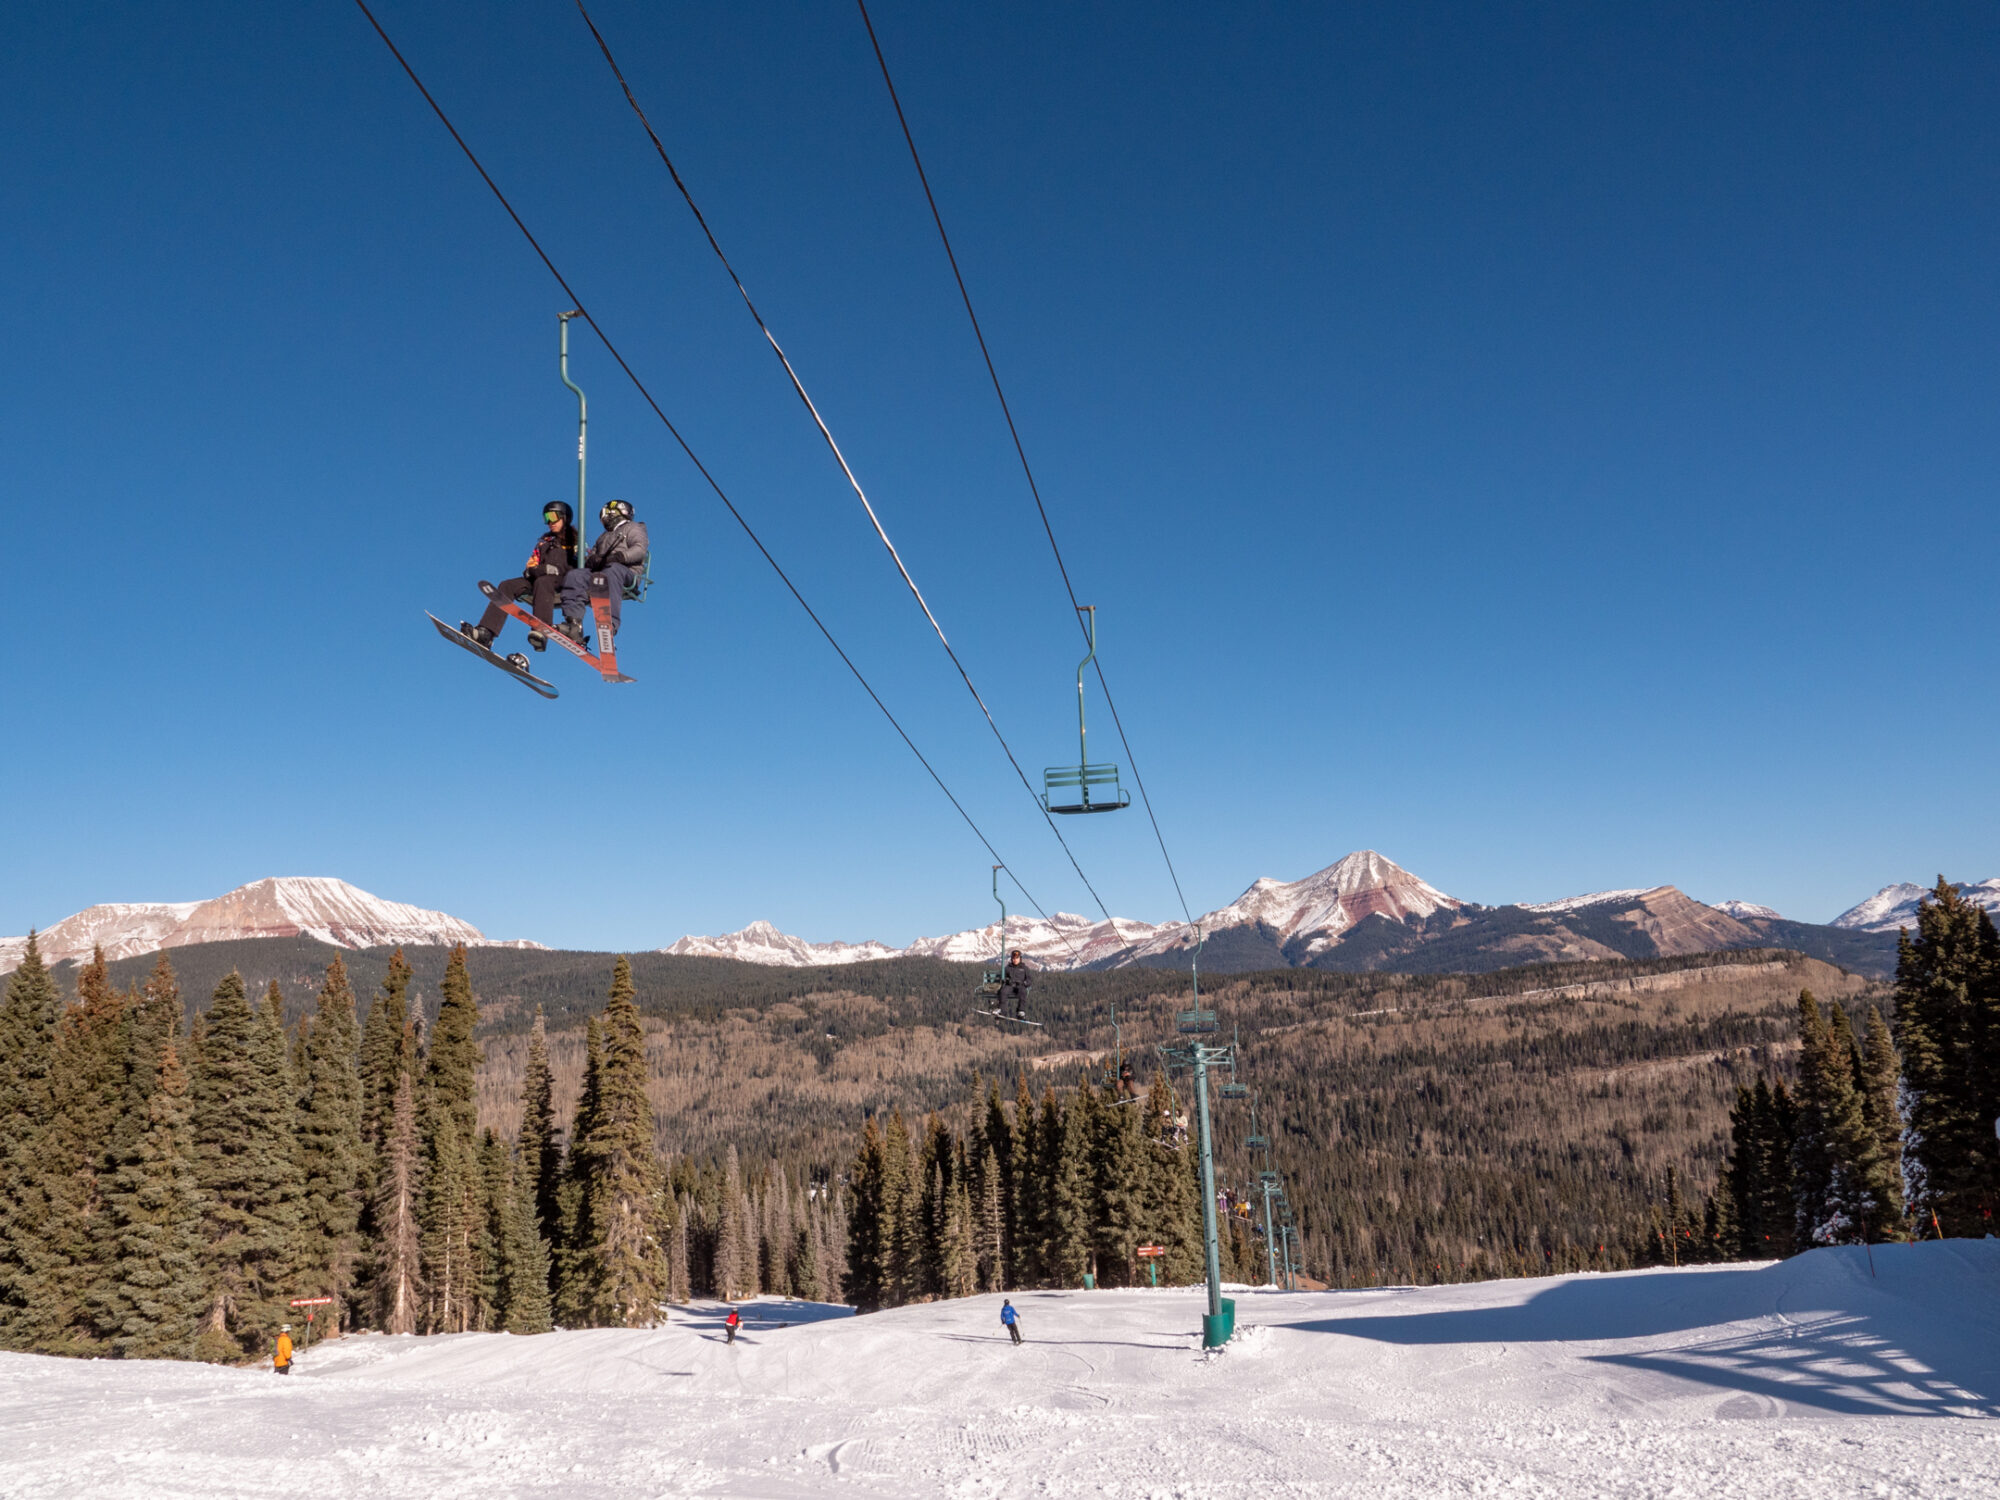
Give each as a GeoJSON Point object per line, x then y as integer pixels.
{"type": "Point", "coordinates": [1083, 787]}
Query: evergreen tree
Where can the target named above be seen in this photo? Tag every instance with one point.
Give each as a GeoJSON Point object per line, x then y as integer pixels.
{"type": "Point", "coordinates": [958, 1269]}
{"type": "Point", "coordinates": [573, 1281]}
{"type": "Point", "coordinates": [732, 1234]}
{"type": "Point", "coordinates": [680, 1280]}
{"type": "Point", "coordinates": [1880, 1069]}
{"type": "Point", "coordinates": [246, 1165]}
{"type": "Point", "coordinates": [866, 1281]}
{"type": "Point", "coordinates": [1173, 1194]}
{"type": "Point", "coordinates": [1070, 1134]}
{"type": "Point", "coordinates": [28, 1021]}
{"type": "Point", "coordinates": [623, 1228]}
{"type": "Point", "coordinates": [454, 1214]}
{"type": "Point", "coordinates": [524, 1259]}
{"type": "Point", "coordinates": [989, 1189]}
{"type": "Point", "coordinates": [87, 1086]}
{"type": "Point", "coordinates": [1026, 1225]}
{"type": "Point", "coordinates": [388, 1051]}
{"type": "Point", "coordinates": [541, 1152]}
{"type": "Point", "coordinates": [155, 1293]}
{"type": "Point", "coordinates": [1118, 1170]}
{"type": "Point", "coordinates": [1000, 1143]}
{"type": "Point", "coordinates": [330, 1146]}
{"type": "Point", "coordinates": [397, 1283]}
{"type": "Point", "coordinates": [902, 1239]}
{"type": "Point", "coordinates": [1947, 1029]}
{"type": "Point", "coordinates": [1812, 1147]}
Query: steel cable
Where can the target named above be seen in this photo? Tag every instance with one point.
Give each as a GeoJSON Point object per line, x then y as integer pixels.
{"type": "Point", "coordinates": [1020, 451]}
{"type": "Point", "coordinates": [839, 457]}
{"type": "Point", "coordinates": [730, 505]}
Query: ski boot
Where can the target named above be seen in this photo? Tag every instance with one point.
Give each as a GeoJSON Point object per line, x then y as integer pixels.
{"type": "Point", "coordinates": [573, 630]}
{"type": "Point", "coordinates": [479, 635]}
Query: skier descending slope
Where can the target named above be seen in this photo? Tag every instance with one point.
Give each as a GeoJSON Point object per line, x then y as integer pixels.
{"type": "Point", "coordinates": [1011, 1320]}
{"type": "Point", "coordinates": [733, 1322]}
{"type": "Point", "coordinates": [281, 1357]}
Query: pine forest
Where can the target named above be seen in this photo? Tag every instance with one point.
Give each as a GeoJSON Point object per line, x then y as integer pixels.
{"type": "Point", "coordinates": [172, 1183]}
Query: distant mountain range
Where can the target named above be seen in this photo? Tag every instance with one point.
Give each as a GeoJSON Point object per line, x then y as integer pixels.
{"type": "Point", "coordinates": [1360, 914]}
{"type": "Point", "coordinates": [299, 906]}
{"type": "Point", "coordinates": [1365, 912]}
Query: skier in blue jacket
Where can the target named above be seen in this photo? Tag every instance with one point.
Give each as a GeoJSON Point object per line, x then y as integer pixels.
{"type": "Point", "coordinates": [1011, 1319]}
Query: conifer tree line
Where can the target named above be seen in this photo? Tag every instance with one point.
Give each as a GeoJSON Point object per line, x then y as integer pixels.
{"type": "Point", "coordinates": [166, 1189]}
{"type": "Point", "coordinates": [1033, 1194]}
{"type": "Point", "coordinates": [1888, 1134]}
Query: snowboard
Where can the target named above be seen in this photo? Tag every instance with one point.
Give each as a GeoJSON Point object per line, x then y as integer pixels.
{"type": "Point", "coordinates": [521, 675]}
{"type": "Point", "coordinates": [606, 661]}
{"type": "Point", "coordinates": [1003, 1016]}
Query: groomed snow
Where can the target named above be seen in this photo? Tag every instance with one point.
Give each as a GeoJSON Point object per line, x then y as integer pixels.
{"type": "Point", "coordinates": [1807, 1378]}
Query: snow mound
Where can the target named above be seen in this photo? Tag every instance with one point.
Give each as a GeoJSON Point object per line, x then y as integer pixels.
{"type": "Point", "coordinates": [1820, 1376]}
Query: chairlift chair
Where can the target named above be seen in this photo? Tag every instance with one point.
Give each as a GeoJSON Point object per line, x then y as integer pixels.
{"type": "Point", "coordinates": [1196, 1022]}
{"type": "Point", "coordinates": [991, 979]}
{"type": "Point", "coordinates": [1256, 1143]}
{"type": "Point", "coordinates": [1236, 1091]}
{"type": "Point", "coordinates": [1083, 787]}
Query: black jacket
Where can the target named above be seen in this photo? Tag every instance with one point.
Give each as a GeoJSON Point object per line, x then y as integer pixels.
{"type": "Point", "coordinates": [555, 553]}
{"type": "Point", "coordinates": [1017, 974]}
{"type": "Point", "coordinates": [624, 543]}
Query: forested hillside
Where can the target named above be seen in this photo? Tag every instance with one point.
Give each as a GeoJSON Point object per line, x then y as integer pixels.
{"type": "Point", "coordinates": [1426, 1125]}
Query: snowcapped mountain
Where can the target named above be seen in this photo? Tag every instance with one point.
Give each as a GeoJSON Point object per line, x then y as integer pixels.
{"type": "Point", "coordinates": [1065, 941]}
{"type": "Point", "coordinates": [320, 907]}
{"type": "Point", "coordinates": [1742, 909]}
{"type": "Point", "coordinates": [1595, 898]}
{"type": "Point", "coordinates": [761, 943]}
{"type": "Point", "coordinates": [1895, 906]}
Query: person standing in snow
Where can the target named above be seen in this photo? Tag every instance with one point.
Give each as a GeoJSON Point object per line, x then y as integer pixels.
{"type": "Point", "coordinates": [1011, 1319]}
{"type": "Point", "coordinates": [1014, 982]}
{"type": "Point", "coordinates": [732, 1323]}
{"type": "Point", "coordinates": [281, 1358]}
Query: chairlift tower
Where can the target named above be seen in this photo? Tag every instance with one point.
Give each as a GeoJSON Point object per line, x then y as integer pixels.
{"type": "Point", "coordinates": [1199, 1055]}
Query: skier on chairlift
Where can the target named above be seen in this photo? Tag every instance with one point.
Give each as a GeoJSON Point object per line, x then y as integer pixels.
{"type": "Point", "coordinates": [618, 554]}
{"type": "Point", "coordinates": [1015, 980]}
{"type": "Point", "coordinates": [548, 565]}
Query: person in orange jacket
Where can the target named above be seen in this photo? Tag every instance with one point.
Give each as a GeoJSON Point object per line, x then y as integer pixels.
{"type": "Point", "coordinates": [281, 1361]}
{"type": "Point", "coordinates": [733, 1322]}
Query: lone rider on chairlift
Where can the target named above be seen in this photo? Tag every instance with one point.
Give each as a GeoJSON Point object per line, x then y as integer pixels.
{"type": "Point", "coordinates": [618, 554]}
{"type": "Point", "coordinates": [1015, 980]}
{"type": "Point", "coordinates": [547, 566]}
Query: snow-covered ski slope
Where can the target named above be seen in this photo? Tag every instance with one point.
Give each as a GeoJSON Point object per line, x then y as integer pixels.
{"type": "Point", "coordinates": [1808, 1378]}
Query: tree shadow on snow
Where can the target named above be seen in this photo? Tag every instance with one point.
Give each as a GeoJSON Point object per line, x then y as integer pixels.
{"type": "Point", "coordinates": [1916, 1339]}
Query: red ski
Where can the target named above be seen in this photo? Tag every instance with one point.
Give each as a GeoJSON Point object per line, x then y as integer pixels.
{"type": "Point", "coordinates": [606, 661]}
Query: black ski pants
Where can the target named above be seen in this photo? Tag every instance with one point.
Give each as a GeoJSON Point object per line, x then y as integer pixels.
{"type": "Point", "coordinates": [544, 586]}
{"type": "Point", "coordinates": [1015, 1330]}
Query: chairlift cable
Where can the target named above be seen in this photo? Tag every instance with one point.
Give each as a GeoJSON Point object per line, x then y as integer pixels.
{"type": "Point", "coordinates": [730, 505]}
{"type": "Point", "coordinates": [834, 448]}
{"type": "Point", "coordinates": [1020, 450]}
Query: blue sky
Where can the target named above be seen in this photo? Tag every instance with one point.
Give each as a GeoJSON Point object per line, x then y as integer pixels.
{"type": "Point", "coordinates": [1552, 445]}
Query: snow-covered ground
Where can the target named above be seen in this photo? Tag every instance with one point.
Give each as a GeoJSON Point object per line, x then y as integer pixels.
{"type": "Point", "coordinates": [1809, 1378]}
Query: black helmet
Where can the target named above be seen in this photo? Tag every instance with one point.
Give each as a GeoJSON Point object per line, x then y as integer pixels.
{"type": "Point", "coordinates": [615, 511]}
{"type": "Point", "coordinates": [561, 510]}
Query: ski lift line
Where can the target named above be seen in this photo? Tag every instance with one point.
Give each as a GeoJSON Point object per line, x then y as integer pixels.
{"type": "Point", "coordinates": [1020, 450]}
{"type": "Point", "coordinates": [834, 448]}
{"type": "Point", "coordinates": [730, 505]}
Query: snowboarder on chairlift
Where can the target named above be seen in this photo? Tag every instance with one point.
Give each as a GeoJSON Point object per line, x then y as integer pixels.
{"type": "Point", "coordinates": [1128, 1086]}
{"type": "Point", "coordinates": [1015, 980]}
{"type": "Point", "coordinates": [618, 553]}
{"type": "Point", "coordinates": [1010, 1319]}
{"type": "Point", "coordinates": [554, 556]}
